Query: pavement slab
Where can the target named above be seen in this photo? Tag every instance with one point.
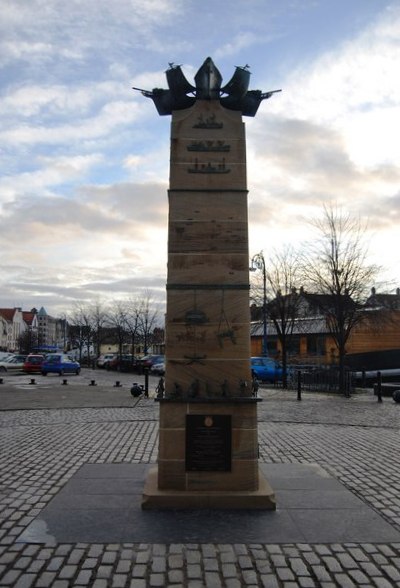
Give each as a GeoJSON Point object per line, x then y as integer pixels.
{"type": "Point", "coordinates": [101, 503]}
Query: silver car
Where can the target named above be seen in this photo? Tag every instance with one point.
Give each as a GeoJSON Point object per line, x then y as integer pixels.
{"type": "Point", "coordinates": [15, 363]}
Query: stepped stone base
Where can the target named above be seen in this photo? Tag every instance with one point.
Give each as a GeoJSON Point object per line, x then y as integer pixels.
{"type": "Point", "coordinates": [154, 498]}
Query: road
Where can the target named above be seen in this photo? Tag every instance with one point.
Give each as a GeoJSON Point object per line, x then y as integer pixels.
{"type": "Point", "coordinates": [92, 388]}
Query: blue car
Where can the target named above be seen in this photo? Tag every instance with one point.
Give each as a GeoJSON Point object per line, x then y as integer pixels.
{"type": "Point", "coordinates": [266, 369]}
{"type": "Point", "coordinates": [59, 363]}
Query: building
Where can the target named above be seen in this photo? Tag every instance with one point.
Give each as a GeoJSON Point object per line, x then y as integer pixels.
{"type": "Point", "coordinates": [12, 326]}
{"type": "Point", "coordinates": [311, 342]}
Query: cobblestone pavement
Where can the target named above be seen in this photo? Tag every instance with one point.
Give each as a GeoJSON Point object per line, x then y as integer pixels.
{"type": "Point", "coordinates": [356, 440]}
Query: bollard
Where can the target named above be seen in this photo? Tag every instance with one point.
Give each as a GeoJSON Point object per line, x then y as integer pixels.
{"type": "Point", "coordinates": [379, 386]}
{"type": "Point", "coordinates": [117, 384]}
{"type": "Point", "coordinates": [64, 382]}
{"type": "Point", "coordinates": [1, 380]}
{"type": "Point", "coordinates": [92, 383]}
{"type": "Point", "coordinates": [146, 382]}
{"type": "Point", "coordinates": [363, 379]}
{"type": "Point", "coordinates": [299, 385]}
{"type": "Point", "coordinates": [32, 381]}
{"type": "Point", "coordinates": [396, 396]}
{"type": "Point", "coordinates": [136, 390]}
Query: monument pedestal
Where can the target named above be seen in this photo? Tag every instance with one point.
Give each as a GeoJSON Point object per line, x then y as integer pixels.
{"type": "Point", "coordinates": [208, 457]}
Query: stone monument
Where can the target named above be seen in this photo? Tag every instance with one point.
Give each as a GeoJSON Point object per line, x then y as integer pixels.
{"type": "Point", "coordinates": [208, 441]}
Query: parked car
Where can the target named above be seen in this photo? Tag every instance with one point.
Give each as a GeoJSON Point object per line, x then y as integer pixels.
{"type": "Point", "coordinates": [158, 369]}
{"type": "Point", "coordinates": [33, 364]}
{"type": "Point", "coordinates": [149, 360]}
{"type": "Point", "coordinates": [60, 363]}
{"type": "Point", "coordinates": [14, 363]}
{"type": "Point", "coordinates": [122, 363]}
{"type": "Point", "coordinates": [4, 355]}
{"type": "Point", "coordinates": [104, 359]}
{"type": "Point", "coordinates": [266, 369]}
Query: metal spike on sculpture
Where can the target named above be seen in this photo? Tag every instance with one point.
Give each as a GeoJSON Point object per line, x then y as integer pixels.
{"type": "Point", "coordinates": [208, 441]}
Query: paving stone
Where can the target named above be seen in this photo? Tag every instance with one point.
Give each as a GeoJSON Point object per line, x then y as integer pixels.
{"type": "Point", "coordinates": [287, 433]}
{"type": "Point", "coordinates": [175, 561]}
{"type": "Point", "coordinates": [137, 583]}
{"type": "Point", "coordinates": [157, 580]}
{"type": "Point", "coordinates": [392, 572]}
{"type": "Point", "coordinates": [382, 583]}
{"type": "Point", "coordinates": [25, 581]}
{"type": "Point", "coordinates": [118, 581]}
{"type": "Point", "coordinates": [83, 578]}
{"type": "Point", "coordinates": [269, 581]}
{"type": "Point", "coordinates": [158, 565]}
{"type": "Point", "coordinates": [45, 580]}
{"type": "Point", "coordinates": [68, 571]}
{"type": "Point", "coordinates": [176, 577]}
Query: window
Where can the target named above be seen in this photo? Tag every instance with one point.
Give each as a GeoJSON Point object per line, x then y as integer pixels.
{"type": "Point", "coordinates": [315, 345]}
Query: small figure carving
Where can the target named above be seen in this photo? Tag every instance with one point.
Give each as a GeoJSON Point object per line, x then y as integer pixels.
{"type": "Point", "coordinates": [243, 386]}
{"type": "Point", "coordinates": [229, 334]}
{"type": "Point", "coordinates": [177, 391]}
{"type": "Point", "coordinates": [160, 389]}
{"type": "Point", "coordinates": [194, 389]}
{"type": "Point", "coordinates": [254, 386]}
{"type": "Point", "coordinates": [225, 388]}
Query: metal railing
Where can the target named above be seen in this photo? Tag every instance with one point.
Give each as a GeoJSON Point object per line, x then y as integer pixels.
{"type": "Point", "coordinates": [319, 379]}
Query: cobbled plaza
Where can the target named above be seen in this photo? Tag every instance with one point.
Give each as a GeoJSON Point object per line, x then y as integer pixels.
{"type": "Point", "coordinates": [355, 440]}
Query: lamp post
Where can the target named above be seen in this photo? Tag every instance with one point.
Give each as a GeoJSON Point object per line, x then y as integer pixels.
{"type": "Point", "coordinates": [258, 263]}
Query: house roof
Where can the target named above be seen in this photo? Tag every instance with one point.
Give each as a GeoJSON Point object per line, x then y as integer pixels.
{"type": "Point", "coordinates": [7, 313]}
{"type": "Point", "coordinates": [384, 301]}
{"type": "Point", "coordinates": [307, 325]}
{"type": "Point", "coordinates": [28, 316]}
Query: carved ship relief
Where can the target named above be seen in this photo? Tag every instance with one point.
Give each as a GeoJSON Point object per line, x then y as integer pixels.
{"type": "Point", "coordinates": [209, 168]}
{"type": "Point", "coordinates": [209, 146]}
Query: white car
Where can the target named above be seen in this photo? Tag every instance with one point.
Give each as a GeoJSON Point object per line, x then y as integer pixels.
{"type": "Point", "coordinates": [15, 363]}
{"type": "Point", "coordinates": [104, 359]}
{"type": "Point", "coordinates": [158, 369]}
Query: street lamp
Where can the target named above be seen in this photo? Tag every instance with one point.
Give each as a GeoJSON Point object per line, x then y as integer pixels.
{"type": "Point", "coordinates": [258, 263]}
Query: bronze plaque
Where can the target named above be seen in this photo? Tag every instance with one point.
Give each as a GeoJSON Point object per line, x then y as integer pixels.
{"type": "Point", "coordinates": [208, 443]}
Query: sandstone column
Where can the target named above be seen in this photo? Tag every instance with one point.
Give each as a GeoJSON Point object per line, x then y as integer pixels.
{"type": "Point", "coordinates": [208, 445]}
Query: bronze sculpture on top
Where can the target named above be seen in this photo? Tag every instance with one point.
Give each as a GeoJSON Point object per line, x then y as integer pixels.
{"type": "Point", "coordinates": [235, 95]}
{"type": "Point", "coordinates": [208, 444]}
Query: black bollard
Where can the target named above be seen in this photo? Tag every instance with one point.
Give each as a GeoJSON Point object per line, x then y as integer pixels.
{"type": "Point", "coordinates": [117, 384]}
{"type": "Point", "coordinates": [136, 390]}
{"type": "Point", "coordinates": [64, 382]}
{"type": "Point", "coordinates": [379, 386]}
{"type": "Point", "coordinates": [299, 385]}
{"type": "Point", "coordinates": [32, 381]}
{"type": "Point", "coordinates": [1, 380]}
{"type": "Point", "coordinates": [363, 379]}
{"type": "Point", "coordinates": [92, 383]}
{"type": "Point", "coordinates": [146, 382]}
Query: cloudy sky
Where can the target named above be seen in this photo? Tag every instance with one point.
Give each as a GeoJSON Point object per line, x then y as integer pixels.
{"type": "Point", "coordinates": [84, 159]}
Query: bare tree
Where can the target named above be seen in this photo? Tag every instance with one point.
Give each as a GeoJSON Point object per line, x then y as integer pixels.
{"type": "Point", "coordinates": [81, 328]}
{"type": "Point", "coordinates": [98, 315]}
{"type": "Point", "coordinates": [336, 268]}
{"type": "Point", "coordinates": [132, 323]}
{"type": "Point", "coordinates": [283, 281]}
{"type": "Point", "coordinates": [147, 320]}
{"type": "Point", "coordinates": [117, 320]}
{"type": "Point", "coordinates": [280, 299]}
